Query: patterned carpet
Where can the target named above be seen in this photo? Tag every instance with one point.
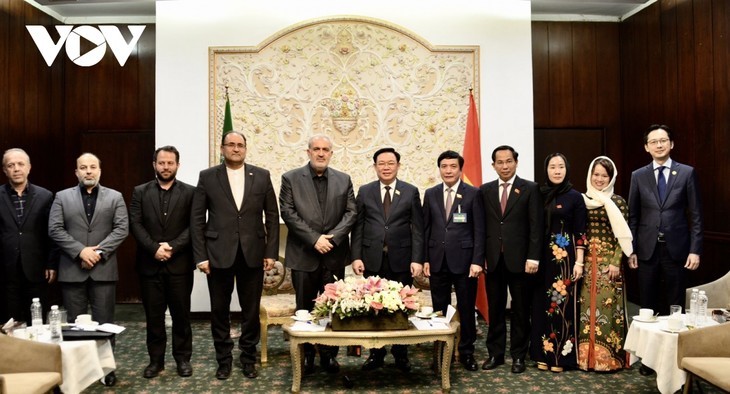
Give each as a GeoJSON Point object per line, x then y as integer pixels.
{"type": "Point", "coordinates": [276, 376]}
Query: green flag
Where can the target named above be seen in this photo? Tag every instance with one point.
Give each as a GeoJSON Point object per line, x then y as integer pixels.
{"type": "Point", "coordinates": [228, 119]}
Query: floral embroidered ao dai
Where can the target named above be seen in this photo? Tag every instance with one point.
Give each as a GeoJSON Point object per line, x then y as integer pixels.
{"type": "Point", "coordinates": [603, 305]}
{"type": "Point", "coordinates": [555, 305]}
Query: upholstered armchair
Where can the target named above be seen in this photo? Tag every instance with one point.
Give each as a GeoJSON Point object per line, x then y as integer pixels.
{"type": "Point", "coordinates": [705, 354]}
{"type": "Point", "coordinates": [29, 367]}
{"type": "Point", "coordinates": [718, 293]}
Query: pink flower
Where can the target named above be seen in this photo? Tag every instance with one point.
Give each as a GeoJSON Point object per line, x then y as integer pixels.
{"type": "Point", "coordinates": [376, 305]}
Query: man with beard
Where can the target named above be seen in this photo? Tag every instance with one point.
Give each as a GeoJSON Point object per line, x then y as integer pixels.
{"type": "Point", "coordinates": [88, 222]}
{"type": "Point", "coordinates": [159, 217]}
{"type": "Point", "coordinates": [234, 243]}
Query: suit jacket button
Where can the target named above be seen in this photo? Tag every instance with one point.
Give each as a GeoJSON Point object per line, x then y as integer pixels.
{"type": "Point", "coordinates": [20, 233]}
{"type": "Point", "coordinates": [386, 227]}
{"type": "Point", "coordinates": [89, 230]}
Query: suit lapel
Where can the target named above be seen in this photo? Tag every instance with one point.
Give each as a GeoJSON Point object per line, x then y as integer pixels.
{"type": "Point", "coordinates": [100, 201]}
{"type": "Point", "coordinates": [311, 193]}
{"type": "Point", "coordinates": [650, 181]}
{"type": "Point", "coordinates": [29, 202]}
{"type": "Point", "coordinates": [79, 202]}
{"type": "Point", "coordinates": [673, 173]}
{"type": "Point", "coordinates": [154, 201]}
{"type": "Point", "coordinates": [9, 203]}
{"type": "Point", "coordinates": [222, 176]}
{"type": "Point", "coordinates": [514, 195]}
{"type": "Point", "coordinates": [394, 197]}
{"type": "Point", "coordinates": [247, 184]}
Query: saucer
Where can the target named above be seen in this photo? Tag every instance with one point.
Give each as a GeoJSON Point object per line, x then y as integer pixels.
{"type": "Point", "coordinates": [666, 329]}
{"type": "Point", "coordinates": [424, 316]}
{"type": "Point", "coordinates": [308, 318]}
{"type": "Point", "coordinates": [653, 319]}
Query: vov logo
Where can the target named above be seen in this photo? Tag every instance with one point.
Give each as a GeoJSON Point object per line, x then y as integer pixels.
{"type": "Point", "coordinates": [71, 36]}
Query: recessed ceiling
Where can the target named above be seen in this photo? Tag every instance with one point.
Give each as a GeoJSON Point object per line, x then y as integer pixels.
{"type": "Point", "coordinates": [143, 11]}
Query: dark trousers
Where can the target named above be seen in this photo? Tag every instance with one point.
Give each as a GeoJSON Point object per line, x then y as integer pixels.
{"type": "Point", "coordinates": [100, 295]}
{"type": "Point", "coordinates": [306, 286]}
{"type": "Point", "coordinates": [662, 281]}
{"type": "Point", "coordinates": [18, 293]}
{"type": "Point", "coordinates": [466, 295]}
{"type": "Point", "coordinates": [398, 351]}
{"type": "Point", "coordinates": [520, 288]}
{"type": "Point", "coordinates": [249, 284]}
{"type": "Point", "coordinates": [159, 292]}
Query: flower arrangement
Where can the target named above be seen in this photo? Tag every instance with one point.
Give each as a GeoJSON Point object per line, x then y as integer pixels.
{"type": "Point", "coordinates": [343, 104]}
{"type": "Point", "coordinates": [357, 296]}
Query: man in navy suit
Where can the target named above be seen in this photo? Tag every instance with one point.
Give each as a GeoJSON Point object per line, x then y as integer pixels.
{"type": "Point", "coordinates": [318, 207]}
{"type": "Point", "coordinates": [387, 239]}
{"type": "Point", "coordinates": [665, 216]}
{"type": "Point", "coordinates": [28, 263]}
{"type": "Point", "coordinates": [454, 230]}
{"type": "Point", "coordinates": [159, 218]}
{"type": "Point", "coordinates": [513, 208]}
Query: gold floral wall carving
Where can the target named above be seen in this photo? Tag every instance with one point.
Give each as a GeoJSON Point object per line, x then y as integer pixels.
{"type": "Point", "coordinates": [363, 82]}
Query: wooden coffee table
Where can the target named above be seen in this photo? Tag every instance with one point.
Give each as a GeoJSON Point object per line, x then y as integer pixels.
{"type": "Point", "coordinates": [443, 339]}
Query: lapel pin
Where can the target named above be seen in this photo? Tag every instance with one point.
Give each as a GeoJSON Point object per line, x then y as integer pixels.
{"type": "Point", "coordinates": [674, 172]}
{"type": "Point", "coordinates": [250, 173]}
{"type": "Point", "coordinates": [517, 191]}
{"type": "Point", "coordinates": [458, 195]}
{"type": "Point", "coordinates": [397, 192]}
{"type": "Point", "coordinates": [559, 206]}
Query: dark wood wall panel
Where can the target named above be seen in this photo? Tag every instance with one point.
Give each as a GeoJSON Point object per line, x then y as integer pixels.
{"type": "Point", "coordinates": [683, 82]}
{"type": "Point", "coordinates": [50, 112]}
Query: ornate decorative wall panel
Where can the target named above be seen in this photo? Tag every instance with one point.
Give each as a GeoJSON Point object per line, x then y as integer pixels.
{"type": "Point", "coordinates": [363, 82]}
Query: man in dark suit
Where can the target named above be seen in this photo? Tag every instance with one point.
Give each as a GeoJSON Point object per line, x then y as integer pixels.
{"type": "Point", "coordinates": [513, 208]}
{"type": "Point", "coordinates": [28, 264]}
{"type": "Point", "coordinates": [235, 242]}
{"type": "Point", "coordinates": [454, 232]}
{"type": "Point", "coordinates": [387, 239]}
{"type": "Point", "coordinates": [665, 217]}
{"type": "Point", "coordinates": [88, 222]}
{"type": "Point", "coordinates": [159, 217]}
{"type": "Point", "coordinates": [318, 207]}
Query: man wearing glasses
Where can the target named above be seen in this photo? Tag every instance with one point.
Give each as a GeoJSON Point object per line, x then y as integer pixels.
{"type": "Point", "coordinates": [234, 242]}
{"type": "Point", "coordinates": [665, 216]}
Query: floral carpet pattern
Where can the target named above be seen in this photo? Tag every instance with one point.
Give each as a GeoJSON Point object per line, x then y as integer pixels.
{"type": "Point", "coordinates": [275, 377]}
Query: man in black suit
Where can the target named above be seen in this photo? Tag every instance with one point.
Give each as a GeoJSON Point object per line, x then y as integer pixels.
{"type": "Point", "coordinates": [387, 239]}
{"type": "Point", "coordinates": [159, 217]}
{"type": "Point", "coordinates": [453, 220]}
{"type": "Point", "coordinates": [665, 217]}
{"type": "Point", "coordinates": [513, 209]}
{"type": "Point", "coordinates": [28, 263]}
{"type": "Point", "coordinates": [318, 207]}
{"type": "Point", "coordinates": [235, 242]}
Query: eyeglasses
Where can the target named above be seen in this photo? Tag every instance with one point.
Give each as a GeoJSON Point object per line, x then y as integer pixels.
{"type": "Point", "coordinates": [383, 164]}
{"type": "Point", "coordinates": [232, 145]}
{"type": "Point", "coordinates": [658, 142]}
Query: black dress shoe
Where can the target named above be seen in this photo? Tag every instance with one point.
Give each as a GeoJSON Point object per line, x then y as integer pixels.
{"type": "Point", "coordinates": [224, 371]}
{"type": "Point", "coordinates": [373, 362]}
{"type": "Point", "coordinates": [309, 365]}
{"type": "Point", "coordinates": [469, 363]}
{"type": "Point", "coordinates": [403, 364]}
{"type": "Point", "coordinates": [184, 369]}
{"type": "Point", "coordinates": [645, 371]}
{"type": "Point", "coordinates": [110, 379]}
{"type": "Point", "coordinates": [518, 366]}
{"type": "Point", "coordinates": [153, 370]}
{"type": "Point", "coordinates": [249, 370]}
{"type": "Point", "coordinates": [492, 362]}
{"type": "Point", "coordinates": [329, 364]}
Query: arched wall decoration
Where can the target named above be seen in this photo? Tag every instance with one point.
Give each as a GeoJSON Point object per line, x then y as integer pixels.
{"type": "Point", "coordinates": [363, 82]}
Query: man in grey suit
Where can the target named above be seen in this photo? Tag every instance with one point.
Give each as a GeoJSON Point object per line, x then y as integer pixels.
{"type": "Point", "coordinates": [239, 240]}
{"type": "Point", "coordinates": [159, 216]}
{"type": "Point", "coordinates": [387, 239]}
{"type": "Point", "coordinates": [318, 207]}
{"type": "Point", "coordinates": [665, 217]}
{"type": "Point", "coordinates": [513, 209]}
{"type": "Point", "coordinates": [28, 263]}
{"type": "Point", "coordinates": [88, 222]}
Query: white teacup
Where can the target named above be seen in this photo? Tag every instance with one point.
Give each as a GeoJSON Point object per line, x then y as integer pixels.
{"type": "Point", "coordinates": [83, 319]}
{"type": "Point", "coordinates": [302, 314]}
{"type": "Point", "coordinates": [674, 323]}
{"type": "Point", "coordinates": [426, 310]}
{"type": "Point", "coordinates": [646, 313]}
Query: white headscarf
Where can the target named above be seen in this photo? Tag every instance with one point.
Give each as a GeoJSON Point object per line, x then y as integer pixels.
{"type": "Point", "coordinates": [595, 198]}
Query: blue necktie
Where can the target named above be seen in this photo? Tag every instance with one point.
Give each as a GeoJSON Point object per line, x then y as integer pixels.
{"type": "Point", "coordinates": [661, 184]}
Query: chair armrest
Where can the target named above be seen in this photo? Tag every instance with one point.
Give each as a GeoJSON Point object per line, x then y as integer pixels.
{"type": "Point", "coordinates": [704, 342]}
{"type": "Point", "coordinates": [21, 355]}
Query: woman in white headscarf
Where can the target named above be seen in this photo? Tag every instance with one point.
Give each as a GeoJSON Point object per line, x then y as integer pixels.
{"type": "Point", "coordinates": [603, 303]}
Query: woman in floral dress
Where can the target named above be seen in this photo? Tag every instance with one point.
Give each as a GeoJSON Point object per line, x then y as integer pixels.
{"type": "Point", "coordinates": [555, 307]}
{"type": "Point", "coordinates": [603, 306]}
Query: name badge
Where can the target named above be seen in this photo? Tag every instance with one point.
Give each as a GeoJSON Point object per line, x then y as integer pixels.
{"type": "Point", "coordinates": [459, 217]}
